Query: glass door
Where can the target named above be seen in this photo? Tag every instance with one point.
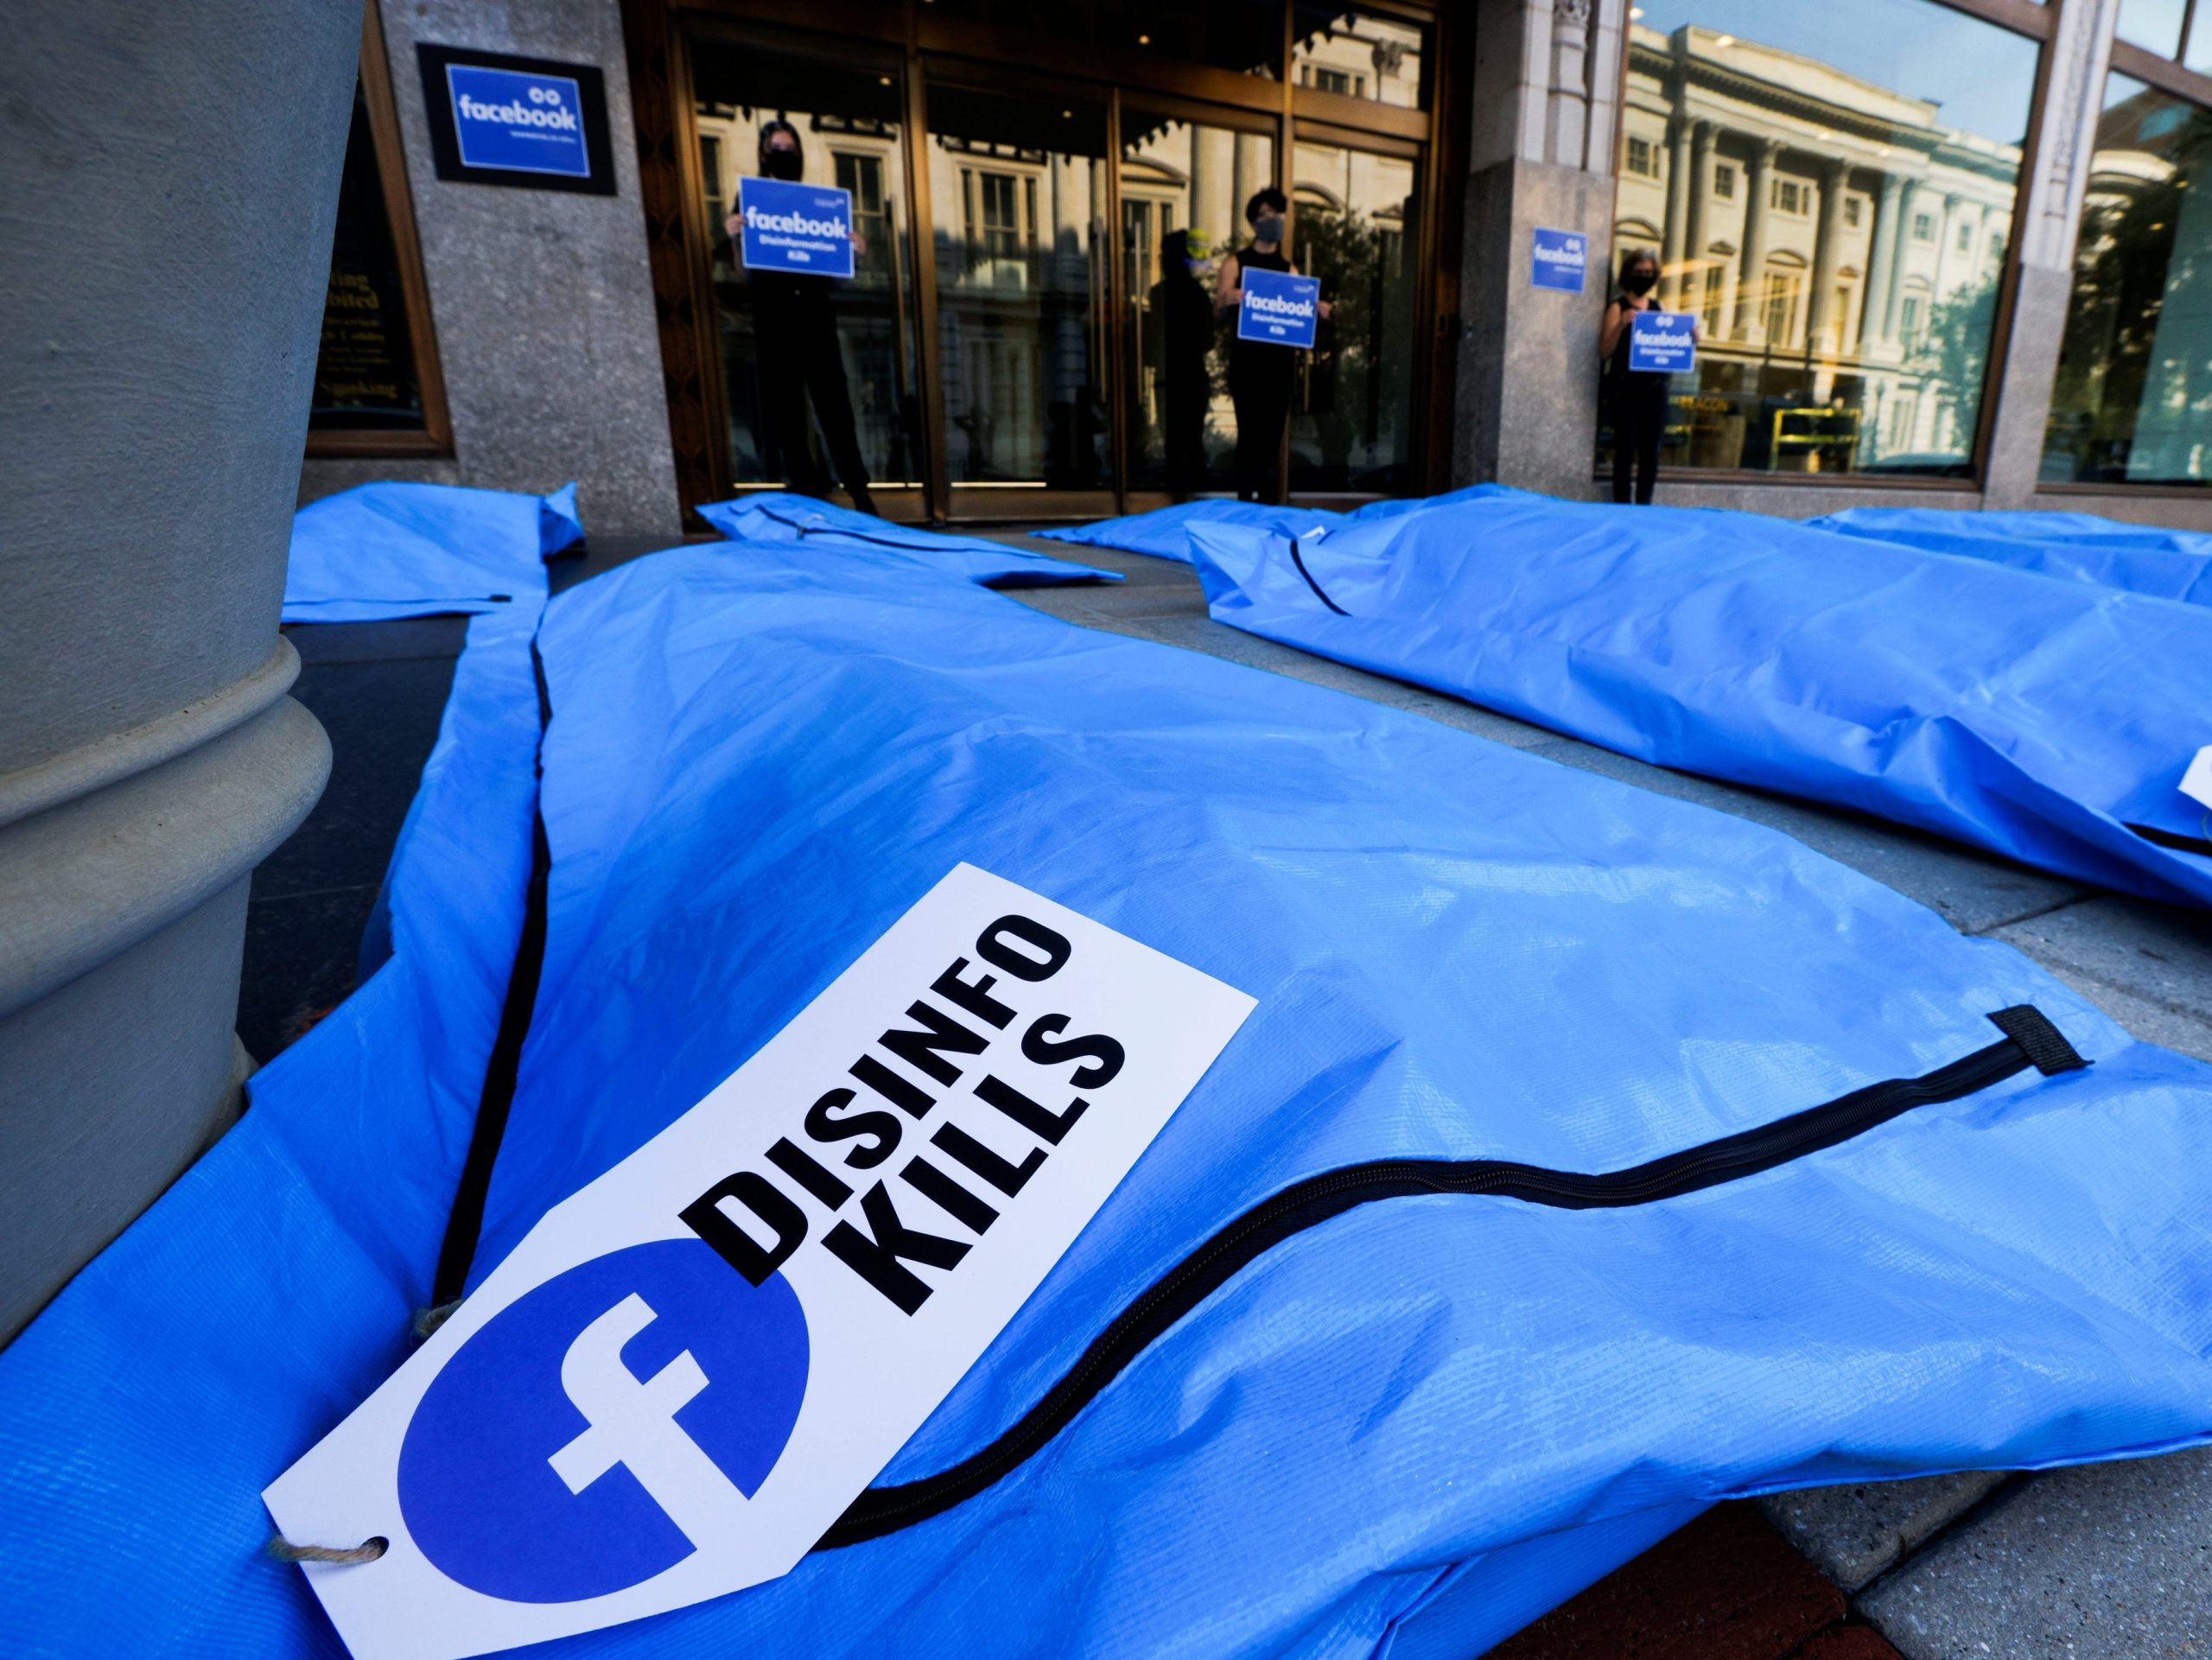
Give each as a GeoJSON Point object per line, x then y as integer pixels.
{"type": "Point", "coordinates": [1019, 191]}
{"type": "Point", "coordinates": [1183, 183]}
{"type": "Point", "coordinates": [809, 378]}
{"type": "Point", "coordinates": [1355, 225]}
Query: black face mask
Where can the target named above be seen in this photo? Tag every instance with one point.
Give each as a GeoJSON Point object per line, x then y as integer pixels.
{"type": "Point", "coordinates": [1268, 229]}
{"type": "Point", "coordinates": [1641, 281]}
{"type": "Point", "coordinates": [784, 164]}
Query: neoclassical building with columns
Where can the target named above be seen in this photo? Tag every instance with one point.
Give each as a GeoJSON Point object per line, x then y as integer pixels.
{"type": "Point", "coordinates": [1824, 229]}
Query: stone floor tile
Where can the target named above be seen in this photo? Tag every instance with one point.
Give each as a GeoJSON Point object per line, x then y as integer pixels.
{"type": "Point", "coordinates": [1853, 1534]}
{"type": "Point", "coordinates": [1726, 1587]}
{"type": "Point", "coordinates": [2104, 1562]}
{"type": "Point", "coordinates": [1972, 890]}
{"type": "Point", "coordinates": [2148, 967]}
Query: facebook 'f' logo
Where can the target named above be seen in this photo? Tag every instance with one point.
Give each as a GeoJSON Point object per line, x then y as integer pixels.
{"type": "Point", "coordinates": [604, 1426]}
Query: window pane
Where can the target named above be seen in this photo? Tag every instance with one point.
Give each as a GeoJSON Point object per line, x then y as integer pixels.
{"type": "Point", "coordinates": [1834, 196]}
{"type": "Point", "coordinates": [797, 378]}
{"type": "Point", "coordinates": [2199, 55]}
{"type": "Point", "coordinates": [1244, 37]}
{"type": "Point", "coordinates": [2134, 400]}
{"type": "Point", "coordinates": [1355, 224]}
{"type": "Point", "coordinates": [1184, 187]}
{"type": "Point", "coordinates": [1022, 279]}
{"type": "Point", "coordinates": [2154, 25]}
{"type": "Point", "coordinates": [364, 377]}
{"type": "Point", "coordinates": [1359, 54]}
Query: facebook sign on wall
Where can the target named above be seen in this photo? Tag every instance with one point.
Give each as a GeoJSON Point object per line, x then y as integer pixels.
{"type": "Point", "coordinates": [1279, 308]}
{"type": "Point", "coordinates": [1559, 260]}
{"type": "Point", "coordinates": [796, 227]}
{"type": "Point", "coordinates": [685, 1372]}
{"type": "Point", "coordinates": [528, 123]}
{"type": "Point", "coordinates": [522, 123]}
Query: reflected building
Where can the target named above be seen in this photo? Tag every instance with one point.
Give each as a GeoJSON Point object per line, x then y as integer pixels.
{"type": "Point", "coordinates": [1840, 244]}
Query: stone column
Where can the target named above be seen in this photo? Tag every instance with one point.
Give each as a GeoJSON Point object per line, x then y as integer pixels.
{"type": "Point", "coordinates": [1882, 268]}
{"type": "Point", "coordinates": [164, 246]}
{"type": "Point", "coordinates": [1750, 286]}
{"type": "Point", "coordinates": [1908, 198]}
{"type": "Point", "coordinates": [1213, 183]}
{"type": "Point", "coordinates": [1945, 234]}
{"type": "Point", "coordinates": [1253, 174]}
{"type": "Point", "coordinates": [1827, 253]}
{"type": "Point", "coordinates": [1678, 181]}
{"type": "Point", "coordinates": [1700, 190]}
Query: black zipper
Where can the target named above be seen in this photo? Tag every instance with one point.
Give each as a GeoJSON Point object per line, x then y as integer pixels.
{"type": "Point", "coordinates": [1299, 559]}
{"type": "Point", "coordinates": [806, 530]}
{"type": "Point", "coordinates": [2030, 1040]}
{"type": "Point", "coordinates": [2174, 839]}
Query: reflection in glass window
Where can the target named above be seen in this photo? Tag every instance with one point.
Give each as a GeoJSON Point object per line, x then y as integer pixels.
{"type": "Point", "coordinates": [849, 126]}
{"type": "Point", "coordinates": [2133, 399]}
{"type": "Point", "coordinates": [2154, 25]}
{"type": "Point", "coordinates": [1355, 222]}
{"type": "Point", "coordinates": [1359, 54]}
{"type": "Point", "coordinates": [1021, 281]}
{"type": "Point", "coordinates": [365, 373]}
{"type": "Point", "coordinates": [1242, 35]}
{"type": "Point", "coordinates": [1849, 288]}
{"type": "Point", "coordinates": [1184, 187]}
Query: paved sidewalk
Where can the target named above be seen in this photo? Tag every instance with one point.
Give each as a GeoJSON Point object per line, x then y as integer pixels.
{"type": "Point", "coordinates": [2110, 1562]}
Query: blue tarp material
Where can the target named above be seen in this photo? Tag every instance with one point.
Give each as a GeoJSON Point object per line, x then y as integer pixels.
{"type": "Point", "coordinates": [1404, 1431]}
{"type": "Point", "coordinates": [2086, 546]}
{"type": "Point", "coordinates": [383, 551]}
{"type": "Point", "coordinates": [2034, 717]}
{"type": "Point", "coordinates": [1165, 533]}
{"type": "Point", "coordinates": [780, 520]}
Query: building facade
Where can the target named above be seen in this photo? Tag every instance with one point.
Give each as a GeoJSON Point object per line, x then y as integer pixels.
{"type": "Point", "coordinates": [1941, 252]}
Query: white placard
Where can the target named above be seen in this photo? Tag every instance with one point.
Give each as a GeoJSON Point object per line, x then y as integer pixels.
{"type": "Point", "coordinates": [686, 1371]}
{"type": "Point", "coordinates": [2196, 782]}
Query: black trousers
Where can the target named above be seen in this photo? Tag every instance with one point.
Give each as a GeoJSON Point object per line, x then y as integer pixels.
{"type": "Point", "coordinates": [796, 336]}
{"type": "Point", "coordinates": [1262, 401]}
{"type": "Point", "coordinates": [1639, 421]}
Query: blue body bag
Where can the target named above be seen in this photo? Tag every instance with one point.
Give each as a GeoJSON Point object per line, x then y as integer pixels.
{"type": "Point", "coordinates": [781, 518]}
{"type": "Point", "coordinates": [1596, 1156]}
{"type": "Point", "coordinates": [2049, 721]}
{"type": "Point", "coordinates": [1165, 532]}
{"type": "Point", "coordinates": [385, 550]}
{"type": "Point", "coordinates": [2084, 547]}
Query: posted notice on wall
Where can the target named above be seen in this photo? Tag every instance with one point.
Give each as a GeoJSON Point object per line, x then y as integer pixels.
{"type": "Point", "coordinates": [796, 227]}
{"type": "Point", "coordinates": [1559, 260]}
{"type": "Point", "coordinates": [1662, 342]}
{"type": "Point", "coordinates": [518, 121]}
{"type": "Point", "coordinates": [686, 1371]}
{"type": "Point", "coordinates": [1279, 308]}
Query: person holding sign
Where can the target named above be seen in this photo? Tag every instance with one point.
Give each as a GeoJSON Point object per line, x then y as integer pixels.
{"type": "Point", "coordinates": [794, 333]}
{"type": "Point", "coordinates": [1637, 383]}
{"type": "Point", "coordinates": [1261, 373]}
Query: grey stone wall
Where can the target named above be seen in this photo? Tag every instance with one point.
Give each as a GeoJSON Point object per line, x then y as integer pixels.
{"type": "Point", "coordinates": [541, 301]}
{"type": "Point", "coordinates": [164, 243]}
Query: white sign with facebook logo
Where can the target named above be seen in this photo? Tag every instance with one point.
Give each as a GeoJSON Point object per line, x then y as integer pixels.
{"type": "Point", "coordinates": [684, 1373]}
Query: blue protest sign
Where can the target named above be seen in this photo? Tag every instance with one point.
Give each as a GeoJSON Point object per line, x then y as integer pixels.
{"type": "Point", "coordinates": [1662, 342]}
{"type": "Point", "coordinates": [518, 121]}
{"type": "Point", "coordinates": [1560, 259]}
{"type": "Point", "coordinates": [796, 227]}
{"type": "Point", "coordinates": [1279, 308]}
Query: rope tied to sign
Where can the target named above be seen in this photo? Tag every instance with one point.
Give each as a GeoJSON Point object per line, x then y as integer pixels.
{"type": "Point", "coordinates": [367, 1551]}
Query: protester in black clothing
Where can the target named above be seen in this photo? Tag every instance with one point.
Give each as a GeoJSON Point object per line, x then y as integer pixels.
{"type": "Point", "coordinates": [1182, 312]}
{"type": "Point", "coordinates": [1636, 400]}
{"type": "Point", "coordinates": [795, 334]}
{"type": "Point", "coordinates": [1261, 376]}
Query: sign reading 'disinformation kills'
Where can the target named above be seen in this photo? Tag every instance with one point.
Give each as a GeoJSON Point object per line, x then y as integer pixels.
{"type": "Point", "coordinates": [1662, 342]}
{"type": "Point", "coordinates": [685, 1372]}
{"type": "Point", "coordinates": [1279, 308]}
{"type": "Point", "coordinates": [796, 227]}
{"type": "Point", "coordinates": [1559, 260]}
